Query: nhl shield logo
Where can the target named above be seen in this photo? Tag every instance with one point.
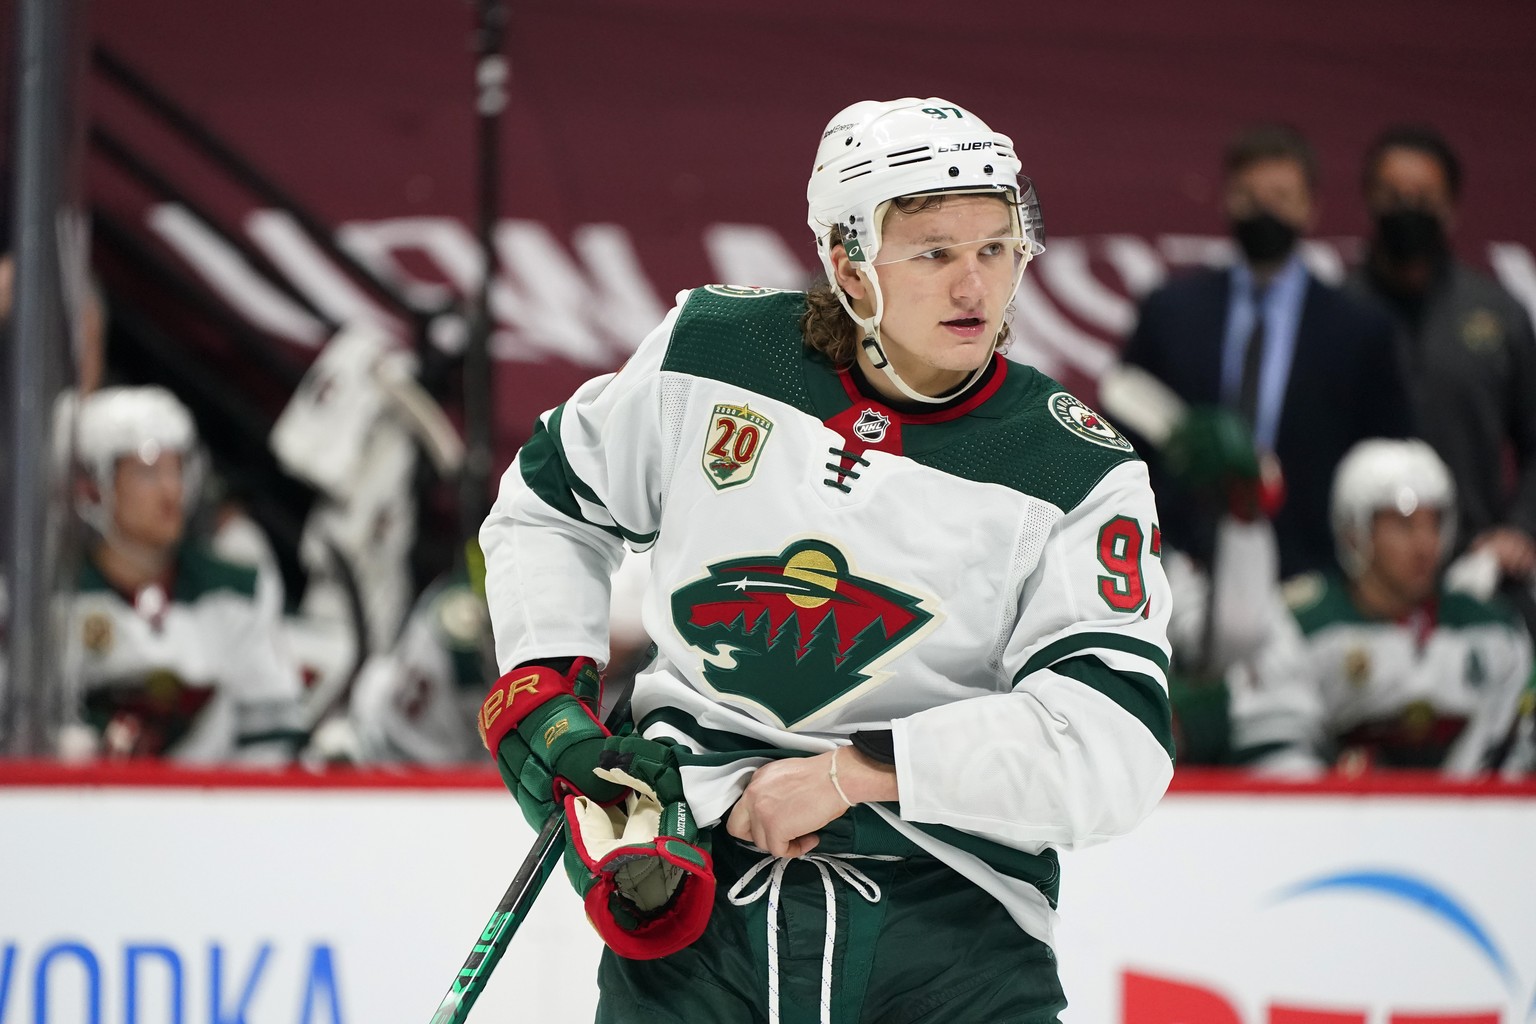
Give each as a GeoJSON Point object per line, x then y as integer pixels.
{"type": "Point", "coordinates": [733, 445]}
{"type": "Point", "coordinates": [1071, 413]}
{"type": "Point", "coordinates": [871, 426]}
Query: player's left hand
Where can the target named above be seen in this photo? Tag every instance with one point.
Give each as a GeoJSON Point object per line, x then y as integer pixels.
{"type": "Point", "coordinates": [788, 801]}
{"type": "Point", "coordinates": [641, 867]}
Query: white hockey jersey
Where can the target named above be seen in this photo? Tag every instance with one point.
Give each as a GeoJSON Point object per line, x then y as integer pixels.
{"type": "Point", "coordinates": [1441, 689]}
{"type": "Point", "coordinates": [190, 672]}
{"type": "Point", "coordinates": [1241, 647]}
{"type": "Point", "coordinates": [982, 580]}
{"type": "Point", "coordinates": [418, 702]}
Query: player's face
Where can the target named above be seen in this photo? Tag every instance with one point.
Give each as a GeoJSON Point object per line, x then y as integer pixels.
{"type": "Point", "coordinates": [147, 500]}
{"type": "Point", "coordinates": [1277, 186]}
{"type": "Point", "coordinates": [946, 273]}
{"type": "Point", "coordinates": [1405, 552]}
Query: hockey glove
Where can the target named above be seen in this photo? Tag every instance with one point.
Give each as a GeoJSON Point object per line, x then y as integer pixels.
{"type": "Point", "coordinates": [539, 728]}
{"type": "Point", "coordinates": [1211, 452]}
{"type": "Point", "coordinates": [647, 882]}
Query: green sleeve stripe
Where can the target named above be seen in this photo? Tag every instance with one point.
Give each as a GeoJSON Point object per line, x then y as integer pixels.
{"type": "Point", "coordinates": [720, 747]}
{"type": "Point", "coordinates": [718, 760]}
{"type": "Point", "coordinates": [548, 474]}
{"type": "Point", "coordinates": [639, 540]}
{"type": "Point", "coordinates": [1139, 694]}
{"type": "Point", "coordinates": [1078, 643]}
{"type": "Point", "coordinates": [1041, 870]}
{"type": "Point", "coordinates": [577, 485]}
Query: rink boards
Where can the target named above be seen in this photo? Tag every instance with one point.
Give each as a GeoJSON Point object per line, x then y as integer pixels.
{"type": "Point", "coordinates": [151, 897]}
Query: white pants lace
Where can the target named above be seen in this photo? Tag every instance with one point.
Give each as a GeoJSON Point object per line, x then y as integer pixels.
{"type": "Point", "coordinates": [828, 864]}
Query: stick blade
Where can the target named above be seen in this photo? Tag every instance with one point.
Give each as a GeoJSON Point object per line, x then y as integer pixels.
{"type": "Point", "coordinates": [1132, 397]}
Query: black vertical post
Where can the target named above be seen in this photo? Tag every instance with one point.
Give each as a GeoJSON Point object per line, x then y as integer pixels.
{"type": "Point", "coordinates": [49, 233]}
{"type": "Point", "coordinates": [491, 83]}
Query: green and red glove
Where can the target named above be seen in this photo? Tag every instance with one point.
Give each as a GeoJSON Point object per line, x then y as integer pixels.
{"type": "Point", "coordinates": [1211, 452]}
{"type": "Point", "coordinates": [646, 880]}
{"type": "Point", "coordinates": [538, 725]}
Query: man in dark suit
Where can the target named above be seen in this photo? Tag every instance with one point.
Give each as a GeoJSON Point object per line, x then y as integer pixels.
{"type": "Point", "coordinates": [1309, 369]}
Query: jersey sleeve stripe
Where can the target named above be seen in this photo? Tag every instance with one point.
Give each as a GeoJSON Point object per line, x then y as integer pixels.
{"type": "Point", "coordinates": [1041, 870]}
{"type": "Point", "coordinates": [548, 474]}
{"type": "Point", "coordinates": [1139, 694]}
{"type": "Point", "coordinates": [1080, 643]}
{"type": "Point", "coordinates": [710, 746]}
{"type": "Point", "coordinates": [592, 512]}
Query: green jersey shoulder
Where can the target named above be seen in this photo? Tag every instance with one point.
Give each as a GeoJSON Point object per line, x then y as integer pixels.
{"type": "Point", "coordinates": [199, 573]}
{"type": "Point", "coordinates": [1030, 434]}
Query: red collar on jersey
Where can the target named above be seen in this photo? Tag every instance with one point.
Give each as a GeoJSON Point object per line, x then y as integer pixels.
{"type": "Point", "coordinates": [859, 390]}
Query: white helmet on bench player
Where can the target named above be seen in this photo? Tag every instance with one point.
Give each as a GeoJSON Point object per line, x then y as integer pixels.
{"type": "Point", "coordinates": [142, 422]}
{"type": "Point", "coordinates": [875, 152]}
{"type": "Point", "coordinates": [1379, 475]}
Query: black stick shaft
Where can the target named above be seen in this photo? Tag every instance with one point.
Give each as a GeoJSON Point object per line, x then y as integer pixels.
{"type": "Point", "coordinates": [515, 903]}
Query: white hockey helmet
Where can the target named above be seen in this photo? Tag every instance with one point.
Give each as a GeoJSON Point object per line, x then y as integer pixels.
{"type": "Point", "coordinates": [139, 421]}
{"type": "Point", "coordinates": [1378, 475]}
{"type": "Point", "coordinates": [875, 152]}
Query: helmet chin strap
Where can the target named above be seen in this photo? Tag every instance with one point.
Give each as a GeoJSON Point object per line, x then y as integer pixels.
{"type": "Point", "coordinates": [876, 352]}
{"type": "Point", "coordinates": [870, 328]}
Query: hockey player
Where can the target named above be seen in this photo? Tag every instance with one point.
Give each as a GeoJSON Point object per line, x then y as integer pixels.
{"type": "Point", "coordinates": [417, 702]}
{"type": "Point", "coordinates": [908, 608]}
{"type": "Point", "coordinates": [1403, 672]}
{"type": "Point", "coordinates": [170, 651]}
{"type": "Point", "coordinates": [1230, 630]}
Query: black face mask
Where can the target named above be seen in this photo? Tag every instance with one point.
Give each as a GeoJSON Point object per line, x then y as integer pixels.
{"type": "Point", "coordinates": [1264, 238]}
{"type": "Point", "coordinates": [1410, 235]}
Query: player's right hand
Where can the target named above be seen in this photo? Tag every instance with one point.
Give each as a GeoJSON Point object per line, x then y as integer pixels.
{"type": "Point", "coordinates": [538, 725]}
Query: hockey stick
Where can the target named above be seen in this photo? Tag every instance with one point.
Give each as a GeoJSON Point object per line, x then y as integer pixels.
{"type": "Point", "coordinates": [1134, 398]}
{"type": "Point", "coordinates": [498, 931]}
{"type": "Point", "coordinates": [515, 903]}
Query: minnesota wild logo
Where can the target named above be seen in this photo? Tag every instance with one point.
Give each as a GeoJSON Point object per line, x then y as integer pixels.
{"type": "Point", "coordinates": [796, 632]}
{"type": "Point", "coordinates": [737, 291]}
{"type": "Point", "coordinates": [1071, 413]}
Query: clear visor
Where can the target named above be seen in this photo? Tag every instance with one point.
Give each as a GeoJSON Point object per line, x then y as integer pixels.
{"type": "Point", "coordinates": [1024, 215]}
{"type": "Point", "coordinates": [1002, 250]}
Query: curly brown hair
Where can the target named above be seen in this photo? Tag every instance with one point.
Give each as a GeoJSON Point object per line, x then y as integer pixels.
{"type": "Point", "coordinates": [826, 326]}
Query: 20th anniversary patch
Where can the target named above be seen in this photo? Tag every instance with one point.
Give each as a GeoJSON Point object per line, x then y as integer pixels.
{"type": "Point", "coordinates": [734, 444]}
